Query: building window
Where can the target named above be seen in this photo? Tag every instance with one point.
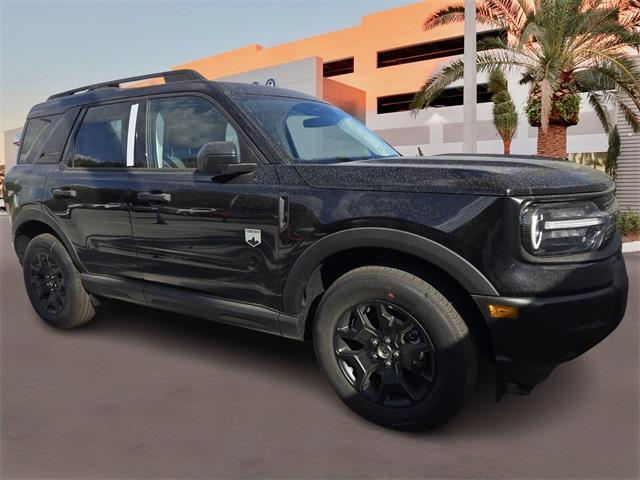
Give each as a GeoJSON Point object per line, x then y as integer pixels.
{"type": "Point", "coordinates": [427, 51]}
{"type": "Point", "coordinates": [337, 67]}
{"type": "Point", "coordinates": [450, 97]}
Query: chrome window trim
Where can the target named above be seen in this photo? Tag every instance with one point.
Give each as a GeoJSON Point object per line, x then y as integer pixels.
{"type": "Point", "coordinates": [131, 135]}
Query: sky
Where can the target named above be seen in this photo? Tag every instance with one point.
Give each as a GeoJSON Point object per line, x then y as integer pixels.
{"type": "Point", "coordinates": [48, 46]}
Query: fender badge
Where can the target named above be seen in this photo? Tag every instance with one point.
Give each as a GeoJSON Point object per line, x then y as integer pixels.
{"type": "Point", "coordinates": [252, 236]}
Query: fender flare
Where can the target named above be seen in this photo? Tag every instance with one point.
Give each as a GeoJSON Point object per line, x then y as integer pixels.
{"type": "Point", "coordinates": [444, 258]}
{"type": "Point", "coordinates": [37, 215]}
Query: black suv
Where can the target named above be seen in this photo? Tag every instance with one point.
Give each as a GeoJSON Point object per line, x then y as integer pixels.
{"type": "Point", "coordinates": [272, 210]}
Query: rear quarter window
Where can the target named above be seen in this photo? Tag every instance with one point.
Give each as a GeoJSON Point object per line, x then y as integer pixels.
{"type": "Point", "coordinates": [37, 132]}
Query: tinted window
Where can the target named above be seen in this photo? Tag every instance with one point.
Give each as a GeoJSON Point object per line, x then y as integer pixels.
{"type": "Point", "coordinates": [101, 140]}
{"type": "Point", "coordinates": [178, 127]}
{"type": "Point", "coordinates": [446, 47]}
{"type": "Point", "coordinates": [54, 146]}
{"type": "Point", "coordinates": [337, 67]}
{"type": "Point", "coordinates": [36, 134]}
{"type": "Point", "coordinates": [450, 97]}
{"type": "Point", "coordinates": [314, 132]}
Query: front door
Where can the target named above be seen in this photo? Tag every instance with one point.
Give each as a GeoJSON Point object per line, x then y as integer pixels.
{"type": "Point", "coordinates": [206, 234]}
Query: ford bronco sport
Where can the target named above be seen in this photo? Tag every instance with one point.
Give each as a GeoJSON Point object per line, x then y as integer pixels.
{"type": "Point", "coordinates": [273, 210]}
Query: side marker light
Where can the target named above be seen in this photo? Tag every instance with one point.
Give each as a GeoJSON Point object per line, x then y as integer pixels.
{"type": "Point", "coordinates": [502, 311]}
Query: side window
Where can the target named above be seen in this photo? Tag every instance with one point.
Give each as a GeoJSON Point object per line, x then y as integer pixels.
{"type": "Point", "coordinates": [36, 134]}
{"type": "Point", "coordinates": [101, 140]}
{"type": "Point", "coordinates": [178, 127]}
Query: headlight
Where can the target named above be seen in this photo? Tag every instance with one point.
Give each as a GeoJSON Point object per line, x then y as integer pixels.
{"type": "Point", "coordinates": [564, 228]}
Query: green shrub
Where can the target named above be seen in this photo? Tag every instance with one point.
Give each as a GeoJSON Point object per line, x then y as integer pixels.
{"type": "Point", "coordinates": [628, 222]}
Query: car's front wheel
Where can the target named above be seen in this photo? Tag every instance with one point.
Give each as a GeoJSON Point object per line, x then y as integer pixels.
{"type": "Point", "coordinates": [54, 285]}
{"type": "Point", "coordinates": [394, 349]}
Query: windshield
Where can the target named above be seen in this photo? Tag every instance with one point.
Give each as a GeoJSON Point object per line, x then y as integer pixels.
{"type": "Point", "coordinates": [314, 132]}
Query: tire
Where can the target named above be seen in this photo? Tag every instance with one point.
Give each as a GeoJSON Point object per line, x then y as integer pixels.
{"type": "Point", "coordinates": [428, 370]}
{"type": "Point", "coordinates": [53, 284]}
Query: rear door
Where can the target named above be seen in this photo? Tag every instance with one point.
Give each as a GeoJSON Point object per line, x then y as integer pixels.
{"type": "Point", "coordinates": [89, 192]}
{"type": "Point", "coordinates": [215, 235]}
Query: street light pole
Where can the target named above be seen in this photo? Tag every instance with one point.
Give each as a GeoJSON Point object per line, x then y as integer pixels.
{"type": "Point", "coordinates": [470, 83]}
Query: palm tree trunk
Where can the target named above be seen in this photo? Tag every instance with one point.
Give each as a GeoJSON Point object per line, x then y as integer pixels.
{"type": "Point", "coordinates": [507, 147]}
{"type": "Point", "coordinates": [553, 142]}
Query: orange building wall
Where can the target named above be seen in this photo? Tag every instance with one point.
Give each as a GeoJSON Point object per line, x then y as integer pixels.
{"type": "Point", "coordinates": [379, 31]}
{"type": "Point", "coordinates": [351, 100]}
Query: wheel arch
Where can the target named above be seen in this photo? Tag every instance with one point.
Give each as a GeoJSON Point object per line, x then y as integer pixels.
{"type": "Point", "coordinates": [386, 238]}
{"type": "Point", "coordinates": [29, 223]}
{"type": "Point", "coordinates": [340, 252]}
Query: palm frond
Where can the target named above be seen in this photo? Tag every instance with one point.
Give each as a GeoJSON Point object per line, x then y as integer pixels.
{"type": "Point", "coordinates": [591, 81]}
{"type": "Point", "coordinates": [454, 71]}
{"type": "Point", "coordinates": [498, 13]}
{"type": "Point", "coordinates": [453, 13]}
{"type": "Point", "coordinates": [625, 84]}
{"type": "Point", "coordinates": [436, 84]}
{"type": "Point", "coordinates": [512, 12]}
{"type": "Point", "coordinates": [619, 67]}
{"type": "Point", "coordinates": [596, 101]}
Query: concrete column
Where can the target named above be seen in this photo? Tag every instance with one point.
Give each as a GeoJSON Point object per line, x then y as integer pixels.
{"type": "Point", "coordinates": [469, 144]}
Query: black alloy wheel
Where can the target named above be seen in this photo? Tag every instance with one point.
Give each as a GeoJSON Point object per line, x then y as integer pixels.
{"type": "Point", "coordinates": [385, 353]}
{"type": "Point", "coordinates": [48, 283]}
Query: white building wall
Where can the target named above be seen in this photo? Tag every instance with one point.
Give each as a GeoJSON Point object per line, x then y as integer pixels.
{"type": "Point", "coordinates": [439, 130]}
{"type": "Point", "coordinates": [301, 75]}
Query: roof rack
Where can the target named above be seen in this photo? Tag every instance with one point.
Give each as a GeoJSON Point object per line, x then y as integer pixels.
{"type": "Point", "coordinates": [169, 77]}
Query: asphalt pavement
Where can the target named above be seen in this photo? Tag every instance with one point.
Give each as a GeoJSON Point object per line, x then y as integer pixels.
{"type": "Point", "coordinates": [141, 393]}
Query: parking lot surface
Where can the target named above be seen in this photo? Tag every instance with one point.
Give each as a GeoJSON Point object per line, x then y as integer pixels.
{"type": "Point", "coordinates": [141, 393]}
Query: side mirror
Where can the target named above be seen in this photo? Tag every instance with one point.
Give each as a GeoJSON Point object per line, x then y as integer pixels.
{"type": "Point", "coordinates": [221, 158]}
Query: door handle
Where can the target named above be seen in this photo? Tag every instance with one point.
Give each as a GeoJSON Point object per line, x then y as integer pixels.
{"type": "Point", "coordinates": [64, 192]}
{"type": "Point", "coordinates": [155, 197]}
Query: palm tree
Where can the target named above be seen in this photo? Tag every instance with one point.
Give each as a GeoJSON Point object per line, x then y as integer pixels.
{"type": "Point", "coordinates": [505, 117]}
{"type": "Point", "coordinates": [560, 48]}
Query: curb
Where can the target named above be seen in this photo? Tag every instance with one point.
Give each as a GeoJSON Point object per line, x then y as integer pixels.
{"type": "Point", "coordinates": [630, 247]}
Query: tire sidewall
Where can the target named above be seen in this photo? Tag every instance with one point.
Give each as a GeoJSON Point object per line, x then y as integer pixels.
{"type": "Point", "coordinates": [451, 370]}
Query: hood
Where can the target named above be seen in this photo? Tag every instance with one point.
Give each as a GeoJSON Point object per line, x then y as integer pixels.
{"type": "Point", "coordinates": [467, 174]}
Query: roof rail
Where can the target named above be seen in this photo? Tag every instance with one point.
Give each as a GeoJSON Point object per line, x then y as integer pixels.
{"type": "Point", "coordinates": [169, 76]}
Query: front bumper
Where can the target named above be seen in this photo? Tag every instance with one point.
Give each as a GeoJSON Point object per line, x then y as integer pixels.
{"type": "Point", "coordinates": [551, 330]}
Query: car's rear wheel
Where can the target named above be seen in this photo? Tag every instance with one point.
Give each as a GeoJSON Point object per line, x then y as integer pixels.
{"type": "Point", "coordinates": [54, 285]}
{"type": "Point", "coordinates": [394, 349]}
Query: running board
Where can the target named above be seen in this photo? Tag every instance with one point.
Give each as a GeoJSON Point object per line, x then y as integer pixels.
{"type": "Point", "coordinates": [194, 304]}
